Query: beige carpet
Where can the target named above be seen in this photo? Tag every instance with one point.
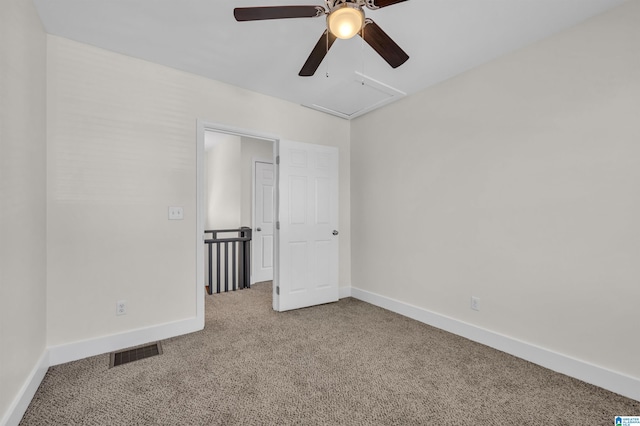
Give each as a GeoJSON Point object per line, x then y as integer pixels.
{"type": "Point", "coordinates": [347, 363]}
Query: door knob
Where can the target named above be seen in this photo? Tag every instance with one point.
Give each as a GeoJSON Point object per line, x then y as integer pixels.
{"type": "Point", "coordinates": [335, 232]}
{"type": "Point", "coordinates": [258, 229]}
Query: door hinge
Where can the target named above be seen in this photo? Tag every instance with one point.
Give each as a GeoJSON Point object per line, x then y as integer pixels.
{"type": "Point", "coordinates": [278, 290]}
{"type": "Point", "coordinates": [278, 225]}
{"type": "Point", "coordinates": [277, 159]}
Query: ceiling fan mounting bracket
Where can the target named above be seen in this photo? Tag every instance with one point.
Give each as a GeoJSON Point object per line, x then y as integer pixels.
{"type": "Point", "coordinates": [336, 4]}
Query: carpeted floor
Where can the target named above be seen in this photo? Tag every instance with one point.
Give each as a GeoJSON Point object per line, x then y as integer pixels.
{"type": "Point", "coordinates": [346, 363]}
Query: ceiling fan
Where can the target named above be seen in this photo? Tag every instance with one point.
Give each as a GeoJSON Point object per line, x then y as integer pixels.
{"type": "Point", "coordinates": [345, 19]}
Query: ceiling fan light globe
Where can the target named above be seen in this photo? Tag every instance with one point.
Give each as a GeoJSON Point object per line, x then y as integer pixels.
{"type": "Point", "coordinates": [346, 21]}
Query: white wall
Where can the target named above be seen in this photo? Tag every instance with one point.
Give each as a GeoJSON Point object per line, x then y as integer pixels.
{"type": "Point", "coordinates": [223, 175]}
{"type": "Point", "coordinates": [22, 203]}
{"type": "Point", "coordinates": [121, 148]}
{"type": "Point", "coordinates": [517, 182]}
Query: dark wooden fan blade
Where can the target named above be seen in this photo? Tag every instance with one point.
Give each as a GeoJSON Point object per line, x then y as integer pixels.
{"type": "Point", "coordinates": [382, 43]}
{"type": "Point", "coordinates": [317, 55]}
{"type": "Point", "coordinates": [385, 3]}
{"type": "Point", "coordinates": [276, 12]}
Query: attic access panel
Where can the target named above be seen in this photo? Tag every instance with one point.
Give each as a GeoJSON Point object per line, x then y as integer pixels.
{"type": "Point", "coordinates": [356, 96]}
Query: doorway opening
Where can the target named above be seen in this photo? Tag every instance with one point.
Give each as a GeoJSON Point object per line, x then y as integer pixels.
{"type": "Point", "coordinates": [304, 206]}
{"type": "Point", "coordinates": [227, 194]}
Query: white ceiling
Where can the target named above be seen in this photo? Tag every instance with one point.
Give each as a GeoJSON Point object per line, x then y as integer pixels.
{"type": "Point", "coordinates": [442, 37]}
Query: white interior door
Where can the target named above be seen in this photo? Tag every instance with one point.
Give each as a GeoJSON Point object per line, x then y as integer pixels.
{"type": "Point", "coordinates": [262, 244]}
{"type": "Point", "coordinates": [307, 241]}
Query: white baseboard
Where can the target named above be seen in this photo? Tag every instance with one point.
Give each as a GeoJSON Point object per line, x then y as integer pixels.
{"type": "Point", "coordinates": [344, 292]}
{"type": "Point", "coordinates": [60, 354]}
{"type": "Point", "coordinates": [16, 410]}
{"type": "Point", "coordinates": [613, 381]}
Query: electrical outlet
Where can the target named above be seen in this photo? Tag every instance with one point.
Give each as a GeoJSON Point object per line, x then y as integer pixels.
{"type": "Point", "coordinates": [121, 307]}
{"type": "Point", "coordinates": [475, 303]}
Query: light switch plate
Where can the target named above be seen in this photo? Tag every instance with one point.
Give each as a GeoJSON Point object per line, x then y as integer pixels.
{"type": "Point", "coordinates": [176, 213]}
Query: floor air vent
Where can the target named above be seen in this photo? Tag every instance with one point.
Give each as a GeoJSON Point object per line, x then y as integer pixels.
{"type": "Point", "coordinates": [134, 354]}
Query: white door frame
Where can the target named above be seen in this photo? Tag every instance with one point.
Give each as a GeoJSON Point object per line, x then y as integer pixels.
{"type": "Point", "coordinates": [255, 160]}
{"type": "Point", "coordinates": [203, 126]}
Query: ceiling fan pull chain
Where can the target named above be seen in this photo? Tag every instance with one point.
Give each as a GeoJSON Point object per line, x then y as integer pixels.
{"type": "Point", "coordinates": [327, 51]}
{"type": "Point", "coordinates": [362, 51]}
